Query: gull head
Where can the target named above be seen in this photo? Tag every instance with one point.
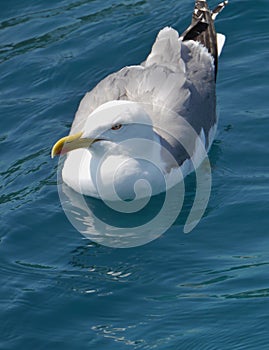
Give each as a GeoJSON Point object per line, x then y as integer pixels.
{"type": "Point", "coordinates": [109, 127]}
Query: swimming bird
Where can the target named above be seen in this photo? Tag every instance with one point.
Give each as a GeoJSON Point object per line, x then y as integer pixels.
{"type": "Point", "coordinates": [145, 121]}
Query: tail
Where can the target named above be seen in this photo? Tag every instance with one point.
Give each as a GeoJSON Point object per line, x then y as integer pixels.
{"type": "Point", "coordinates": [202, 28]}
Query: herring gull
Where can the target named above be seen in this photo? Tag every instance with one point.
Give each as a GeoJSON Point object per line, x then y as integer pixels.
{"type": "Point", "coordinates": [127, 124]}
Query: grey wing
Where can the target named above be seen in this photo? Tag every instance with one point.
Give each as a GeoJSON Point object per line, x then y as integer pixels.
{"type": "Point", "coordinates": [113, 87]}
{"type": "Point", "coordinates": [188, 87]}
{"type": "Point", "coordinates": [159, 82]}
{"type": "Point", "coordinates": [155, 86]}
{"type": "Point", "coordinates": [177, 77]}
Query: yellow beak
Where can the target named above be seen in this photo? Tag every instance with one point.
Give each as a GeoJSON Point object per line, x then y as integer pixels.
{"type": "Point", "coordinates": [71, 142]}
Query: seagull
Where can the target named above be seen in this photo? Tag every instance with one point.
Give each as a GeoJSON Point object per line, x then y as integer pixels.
{"type": "Point", "coordinates": [148, 121]}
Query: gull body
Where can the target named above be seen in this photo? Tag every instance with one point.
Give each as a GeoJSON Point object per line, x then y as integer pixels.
{"type": "Point", "coordinates": [148, 123]}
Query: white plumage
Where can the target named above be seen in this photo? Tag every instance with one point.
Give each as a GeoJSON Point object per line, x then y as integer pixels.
{"type": "Point", "coordinates": [164, 101]}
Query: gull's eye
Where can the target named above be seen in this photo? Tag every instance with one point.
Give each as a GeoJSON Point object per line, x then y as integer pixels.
{"type": "Point", "coordinates": [116, 127]}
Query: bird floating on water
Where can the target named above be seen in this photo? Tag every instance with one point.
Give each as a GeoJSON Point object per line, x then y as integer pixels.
{"type": "Point", "coordinates": [127, 124]}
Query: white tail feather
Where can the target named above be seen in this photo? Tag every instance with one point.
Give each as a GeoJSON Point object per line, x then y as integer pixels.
{"type": "Point", "coordinates": [221, 41]}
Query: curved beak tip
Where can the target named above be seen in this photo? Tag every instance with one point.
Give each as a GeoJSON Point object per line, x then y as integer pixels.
{"type": "Point", "coordinates": [70, 143]}
{"type": "Point", "coordinates": [57, 148]}
{"type": "Point", "coordinates": [52, 154]}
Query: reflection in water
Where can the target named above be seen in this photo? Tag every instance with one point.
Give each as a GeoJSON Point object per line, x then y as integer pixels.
{"type": "Point", "coordinates": [103, 225]}
{"type": "Point", "coordinates": [125, 224]}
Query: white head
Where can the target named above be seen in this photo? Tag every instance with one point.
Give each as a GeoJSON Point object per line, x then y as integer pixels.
{"type": "Point", "coordinates": [110, 125]}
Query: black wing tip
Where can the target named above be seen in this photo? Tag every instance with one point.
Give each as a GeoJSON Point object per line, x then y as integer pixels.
{"type": "Point", "coordinates": [201, 19]}
{"type": "Point", "coordinates": [202, 28]}
{"type": "Point", "coordinates": [194, 30]}
{"type": "Point", "coordinates": [218, 9]}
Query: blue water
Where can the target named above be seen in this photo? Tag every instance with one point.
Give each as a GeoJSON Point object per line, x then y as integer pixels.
{"type": "Point", "coordinates": [205, 290]}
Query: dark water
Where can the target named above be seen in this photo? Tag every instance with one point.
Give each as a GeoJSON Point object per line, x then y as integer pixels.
{"type": "Point", "coordinates": [205, 290]}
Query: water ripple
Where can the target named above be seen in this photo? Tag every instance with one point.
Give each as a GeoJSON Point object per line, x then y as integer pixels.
{"type": "Point", "coordinates": [42, 14]}
{"type": "Point", "coordinates": [24, 178]}
{"type": "Point", "coordinates": [11, 50]}
{"type": "Point", "coordinates": [259, 293]}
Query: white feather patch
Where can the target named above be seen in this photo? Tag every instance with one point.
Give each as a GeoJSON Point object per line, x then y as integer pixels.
{"type": "Point", "coordinates": [221, 41]}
